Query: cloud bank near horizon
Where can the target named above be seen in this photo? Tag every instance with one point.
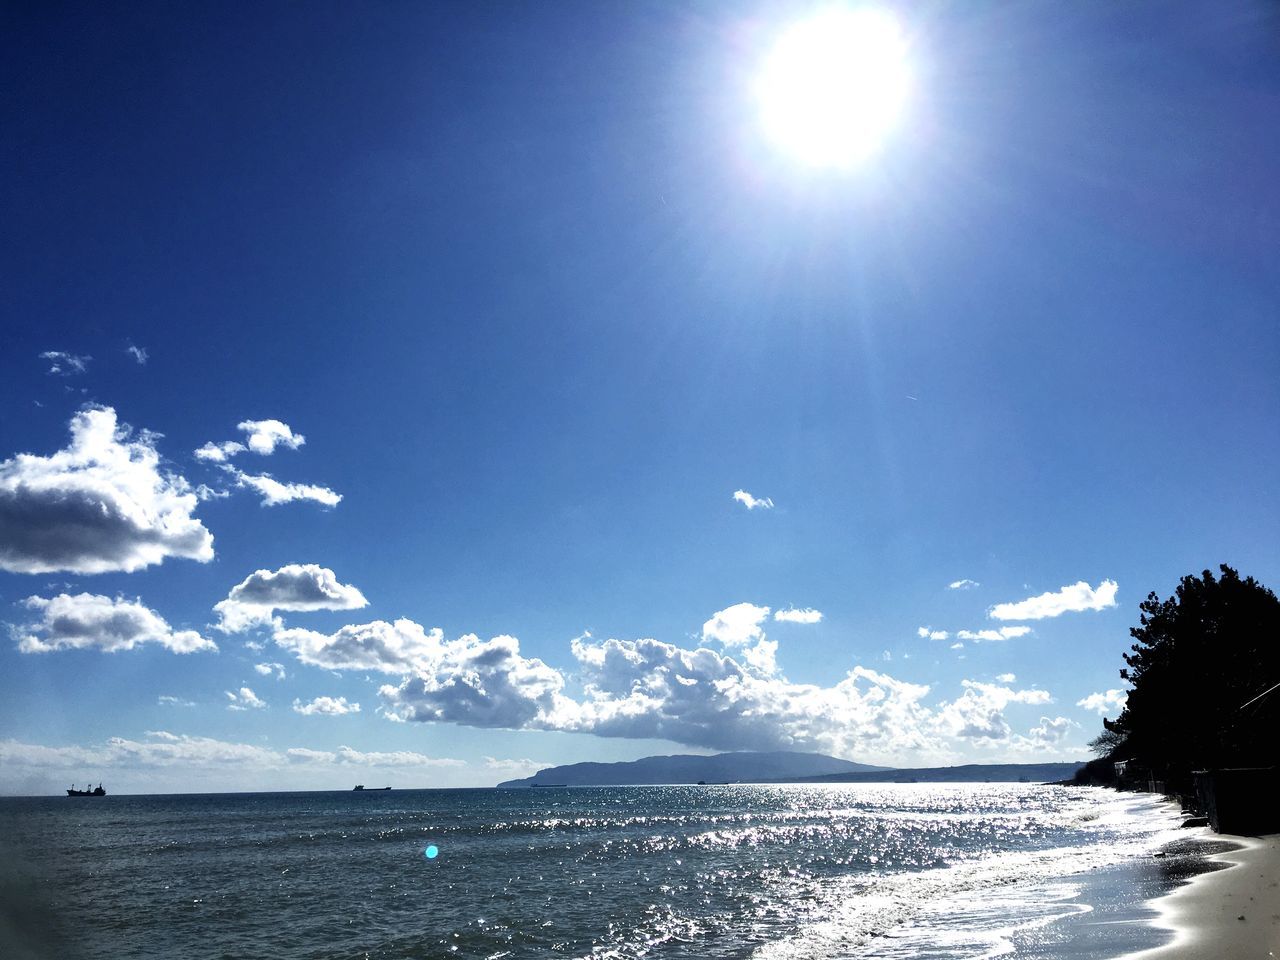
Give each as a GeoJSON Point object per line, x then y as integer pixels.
{"type": "Point", "coordinates": [647, 689]}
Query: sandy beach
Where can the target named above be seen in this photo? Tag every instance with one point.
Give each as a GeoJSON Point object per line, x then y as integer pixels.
{"type": "Point", "coordinates": [1229, 914]}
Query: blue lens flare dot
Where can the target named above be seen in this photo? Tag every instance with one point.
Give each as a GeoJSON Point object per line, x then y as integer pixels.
{"type": "Point", "coordinates": [432, 851]}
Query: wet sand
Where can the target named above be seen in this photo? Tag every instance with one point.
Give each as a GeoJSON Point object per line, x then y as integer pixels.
{"type": "Point", "coordinates": [1228, 914]}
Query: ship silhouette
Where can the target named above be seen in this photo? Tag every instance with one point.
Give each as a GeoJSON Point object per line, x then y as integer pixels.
{"type": "Point", "coordinates": [86, 792]}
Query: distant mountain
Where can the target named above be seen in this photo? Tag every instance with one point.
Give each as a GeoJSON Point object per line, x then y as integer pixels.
{"type": "Point", "coordinates": [684, 768]}
{"type": "Point", "coordinates": [968, 773]}
{"type": "Point", "coordinates": [783, 767]}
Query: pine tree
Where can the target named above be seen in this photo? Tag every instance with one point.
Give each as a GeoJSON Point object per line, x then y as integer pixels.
{"type": "Point", "coordinates": [1200, 657]}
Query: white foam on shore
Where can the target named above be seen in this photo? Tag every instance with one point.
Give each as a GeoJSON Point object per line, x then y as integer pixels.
{"type": "Point", "coordinates": [974, 908]}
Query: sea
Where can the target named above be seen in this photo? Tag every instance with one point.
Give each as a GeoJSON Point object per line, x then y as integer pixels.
{"type": "Point", "coordinates": [925, 871]}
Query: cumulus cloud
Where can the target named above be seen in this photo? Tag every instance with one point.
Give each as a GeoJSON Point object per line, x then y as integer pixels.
{"type": "Point", "coordinates": [325, 707]}
{"type": "Point", "coordinates": [1006, 678]}
{"type": "Point", "coordinates": [792, 615]}
{"type": "Point", "coordinates": [645, 689]}
{"type": "Point", "coordinates": [139, 354]}
{"type": "Point", "coordinates": [742, 626]}
{"type": "Point", "coordinates": [752, 503]}
{"type": "Point", "coordinates": [65, 364]}
{"type": "Point", "coordinates": [1105, 702]}
{"type": "Point", "coordinates": [265, 435]}
{"type": "Point", "coordinates": [295, 587]}
{"type": "Point", "coordinates": [978, 713]}
{"type": "Point", "coordinates": [268, 669]}
{"type": "Point", "coordinates": [244, 699]}
{"type": "Point", "coordinates": [262, 437]}
{"type": "Point", "coordinates": [398, 648]}
{"type": "Point", "coordinates": [736, 626]}
{"type": "Point", "coordinates": [274, 493]}
{"type": "Point", "coordinates": [928, 633]}
{"type": "Point", "coordinates": [87, 621]}
{"type": "Point", "coordinates": [991, 636]}
{"type": "Point", "coordinates": [219, 452]}
{"type": "Point", "coordinates": [100, 505]}
{"type": "Point", "coordinates": [482, 683]}
{"type": "Point", "coordinates": [1052, 731]}
{"type": "Point", "coordinates": [1070, 599]}
{"type": "Point", "coordinates": [963, 584]}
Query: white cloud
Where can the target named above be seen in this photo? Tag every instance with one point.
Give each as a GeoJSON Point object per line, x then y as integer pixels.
{"type": "Point", "coordinates": [295, 587]}
{"type": "Point", "coordinates": [978, 713]}
{"type": "Point", "coordinates": [1006, 678]}
{"type": "Point", "coordinates": [750, 502]}
{"type": "Point", "coordinates": [65, 364]}
{"type": "Point", "coordinates": [807, 615]}
{"type": "Point", "coordinates": [100, 505]}
{"type": "Point", "coordinates": [641, 688]}
{"type": "Point", "coordinates": [1105, 702]}
{"type": "Point", "coordinates": [517, 768]}
{"type": "Point", "coordinates": [165, 700]}
{"type": "Point", "coordinates": [274, 492]}
{"type": "Point", "coordinates": [1070, 599]}
{"type": "Point", "coordinates": [963, 584]}
{"type": "Point", "coordinates": [481, 683]}
{"type": "Point", "coordinates": [244, 699]}
{"type": "Point", "coordinates": [268, 669]}
{"type": "Point", "coordinates": [484, 683]}
{"type": "Point", "coordinates": [928, 633]}
{"type": "Point", "coordinates": [957, 646]}
{"type": "Point", "coordinates": [87, 621]}
{"type": "Point", "coordinates": [265, 435]}
{"type": "Point", "coordinates": [742, 626]}
{"type": "Point", "coordinates": [1004, 633]}
{"type": "Point", "coordinates": [762, 657]}
{"type": "Point", "coordinates": [398, 648]}
{"type": "Point", "coordinates": [326, 707]}
{"type": "Point", "coordinates": [263, 438]}
{"type": "Point", "coordinates": [139, 354]}
{"type": "Point", "coordinates": [737, 625]}
{"type": "Point", "coordinates": [162, 749]}
{"type": "Point", "coordinates": [347, 756]}
{"type": "Point", "coordinates": [649, 689]}
{"type": "Point", "coordinates": [1052, 732]}
{"type": "Point", "coordinates": [219, 452]}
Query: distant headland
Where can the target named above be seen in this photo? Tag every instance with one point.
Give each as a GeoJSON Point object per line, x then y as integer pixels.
{"type": "Point", "coordinates": [781, 766]}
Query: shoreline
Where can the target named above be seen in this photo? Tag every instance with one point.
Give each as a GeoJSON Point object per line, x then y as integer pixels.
{"type": "Point", "coordinates": [1229, 912]}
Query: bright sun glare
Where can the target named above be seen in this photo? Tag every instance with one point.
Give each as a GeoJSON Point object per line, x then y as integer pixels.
{"type": "Point", "coordinates": [834, 86]}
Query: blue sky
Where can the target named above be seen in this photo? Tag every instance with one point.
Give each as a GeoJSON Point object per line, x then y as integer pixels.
{"type": "Point", "coordinates": [540, 295]}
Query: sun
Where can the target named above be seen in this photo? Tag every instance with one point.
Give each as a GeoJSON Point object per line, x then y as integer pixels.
{"type": "Point", "coordinates": [834, 86]}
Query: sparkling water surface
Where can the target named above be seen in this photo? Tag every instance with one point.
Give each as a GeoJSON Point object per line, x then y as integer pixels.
{"type": "Point", "coordinates": [866, 870]}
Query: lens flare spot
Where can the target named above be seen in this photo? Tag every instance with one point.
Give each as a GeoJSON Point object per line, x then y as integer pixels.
{"type": "Point", "coordinates": [431, 852]}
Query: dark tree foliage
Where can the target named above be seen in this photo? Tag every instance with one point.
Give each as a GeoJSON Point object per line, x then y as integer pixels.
{"type": "Point", "coordinates": [1200, 656]}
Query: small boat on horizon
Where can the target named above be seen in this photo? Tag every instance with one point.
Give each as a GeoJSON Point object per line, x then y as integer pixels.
{"type": "Point", "coordinates": [95, 792]}
{"type": "Point", "coordinates": [361, 786]}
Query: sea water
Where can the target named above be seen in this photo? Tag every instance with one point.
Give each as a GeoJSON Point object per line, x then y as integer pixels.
{"type": "Point", "coordinates": [866, 870]}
